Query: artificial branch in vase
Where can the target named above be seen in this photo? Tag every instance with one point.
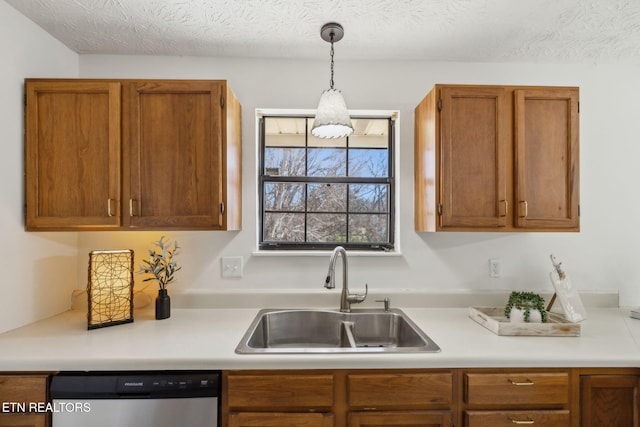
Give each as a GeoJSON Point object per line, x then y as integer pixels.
{"type": "Point", "coordinates": [161, 265]}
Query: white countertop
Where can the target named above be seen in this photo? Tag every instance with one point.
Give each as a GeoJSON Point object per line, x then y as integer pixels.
{"type": "Point", "coordinates": [205, 338]}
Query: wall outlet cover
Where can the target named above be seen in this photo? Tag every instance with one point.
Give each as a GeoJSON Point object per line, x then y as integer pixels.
{"type": "Point", "coordinates": [495, 267]}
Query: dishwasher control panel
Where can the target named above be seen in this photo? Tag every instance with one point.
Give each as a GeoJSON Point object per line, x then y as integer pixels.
{"type": "Point", "coordinates": [147, 384]}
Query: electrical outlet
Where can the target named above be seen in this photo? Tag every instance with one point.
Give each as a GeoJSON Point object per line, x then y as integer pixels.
{"type": "Point", "coordinates": [232, 266]}
{"type": "Point", "coordinates": [495, 267]}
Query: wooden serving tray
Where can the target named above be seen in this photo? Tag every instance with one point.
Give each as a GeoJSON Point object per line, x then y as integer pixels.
{"type": "Point", "coordinates": [493, 318]}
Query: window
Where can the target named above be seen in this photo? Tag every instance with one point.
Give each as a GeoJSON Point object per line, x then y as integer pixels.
{"type": "Point", "coordinates": [319, 193]}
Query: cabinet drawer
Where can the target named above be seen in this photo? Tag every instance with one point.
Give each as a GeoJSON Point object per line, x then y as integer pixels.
{"type": "Point", "coordinates": [400, 390]}
{"type": "Point", "coordinates": [518, 388]}
{"type": "Point", "coordinates": [400, 419]}
{"type": "Point", "coordinates": [23, 389]}
{"type": "Point", "coordinates": [280, 419]}
{"type": "Point", "coordinates": [515, 418]}
{"type": "Point", "coordinates": [280, 391]}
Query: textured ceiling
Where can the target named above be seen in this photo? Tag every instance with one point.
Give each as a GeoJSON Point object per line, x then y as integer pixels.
{"type": "Point", "coordinates": [593, 31]}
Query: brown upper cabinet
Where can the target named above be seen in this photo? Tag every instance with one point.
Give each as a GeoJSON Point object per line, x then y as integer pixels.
{"type": "Point", "coordinates": [497, 158]}
{"type": "Point", "coordinates": [132, 155]}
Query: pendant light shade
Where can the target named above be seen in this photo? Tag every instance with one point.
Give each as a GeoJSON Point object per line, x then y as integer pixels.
{"type": "Point", "coordinates": [332, 117]}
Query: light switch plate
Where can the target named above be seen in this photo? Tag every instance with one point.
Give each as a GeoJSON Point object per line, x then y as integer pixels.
{"type": "Point", "coordinates": [231, 266]}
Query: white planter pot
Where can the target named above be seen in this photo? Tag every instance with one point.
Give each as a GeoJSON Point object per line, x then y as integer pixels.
{"type": "Point", "coordinates": [517, 316]}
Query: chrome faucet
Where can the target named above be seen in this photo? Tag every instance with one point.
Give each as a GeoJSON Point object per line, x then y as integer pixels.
{"type": "Point", "coordinates": [346, 299]}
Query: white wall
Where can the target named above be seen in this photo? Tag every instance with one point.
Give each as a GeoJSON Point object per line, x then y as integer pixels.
{"type": "Point", "coordinates": [601, 257]}
{"type": "Point", "coordinates": [37, 270]}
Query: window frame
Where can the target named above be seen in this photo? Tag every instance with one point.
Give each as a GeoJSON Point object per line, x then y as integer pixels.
{"type": "Point", "coordinates": [391, 181]}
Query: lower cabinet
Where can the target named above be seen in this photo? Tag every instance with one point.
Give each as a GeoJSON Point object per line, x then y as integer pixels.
{"type": "Point", "coordinates": [340, 398]}
{"type": "Point", "coordinates": [397, 398]}
{"type": "Point", "coordinates": [508, 397]}
{"type": "Point", "coordinates": [610, 398]}
{"type": "Point", "coordinates": [17, 393]}
{"type": "Point", "coordinates": [463, 397]}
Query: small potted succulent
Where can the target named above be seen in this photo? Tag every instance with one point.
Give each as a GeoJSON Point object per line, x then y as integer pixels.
{"type": "Point", "coordinates": [525, 307]}
{"type": "Point", "coordinates": [161, 266]}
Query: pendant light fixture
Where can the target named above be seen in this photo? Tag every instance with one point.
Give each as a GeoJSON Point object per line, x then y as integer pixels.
{"type": "Point", "coordinates": [332, 118]}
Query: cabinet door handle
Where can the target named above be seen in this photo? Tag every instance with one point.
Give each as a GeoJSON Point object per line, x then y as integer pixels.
{"type": "Point", "coordinates": [525, 382]}
{"type": "Point", "coordinates": [109, 213]}
{"type": "Point", "coordinates": [506, 207]}
{"type": "Point", "coordinates": [526, 208]}
{"type": "Point", "coordinates": [528, 421]}
{"type": "Point", "coordinates": [131, 206]}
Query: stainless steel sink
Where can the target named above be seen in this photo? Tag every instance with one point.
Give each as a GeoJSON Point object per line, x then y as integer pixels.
{"type": "Point", "coordinates": [327, 331]}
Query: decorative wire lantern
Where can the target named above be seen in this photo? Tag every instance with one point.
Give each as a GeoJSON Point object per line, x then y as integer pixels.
{"type": "Point", "coordinates": [110, 288]}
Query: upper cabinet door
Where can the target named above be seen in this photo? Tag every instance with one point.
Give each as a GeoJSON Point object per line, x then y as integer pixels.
{"type": "Point", "coordinates": [72, 155]}
{"type": "Point", "coordinates": [546, 158]}
{"type": "Point", "coordinates": [173, 161]}
{"type": "Point", "coordinates": [474, 134]}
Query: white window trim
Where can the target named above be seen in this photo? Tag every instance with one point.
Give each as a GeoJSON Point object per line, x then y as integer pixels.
{"type": "Point", "coordinates": [395, 114]}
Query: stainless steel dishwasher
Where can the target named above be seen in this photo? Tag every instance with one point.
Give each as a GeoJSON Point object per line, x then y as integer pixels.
{"type": "Point", "coordinates": [140, 399]}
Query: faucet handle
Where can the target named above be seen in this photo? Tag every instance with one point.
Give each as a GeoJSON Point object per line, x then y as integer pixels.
{"type": "Point", "coordinates": [358, 298]}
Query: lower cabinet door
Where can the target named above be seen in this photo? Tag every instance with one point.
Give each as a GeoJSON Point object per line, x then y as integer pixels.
{"type": "Point", "coordinates": [400, 419]}
{"type": "Point", "coordinates": [280, 419]}
{"type": "Point", "coordinates": [552, 418]}
{"type": "Point", "coordinates": [610, 400]}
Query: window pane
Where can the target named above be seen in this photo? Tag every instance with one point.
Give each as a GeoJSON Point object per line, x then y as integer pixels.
{"type": "Point", "coordinates": [368, 229]}
{"type": "Point", "coordinates": [327, 197]}
{"type": "Point", "coordinates": [327, 162]}
{"type": "Point", "coordinates": [370, 133]}
{"type": "Point", "coordinates": [284, 161]}
{"type": "Point", "coordinates": [368, 198]}
{"type": "Point", "coordinates": [369, 163]}
{"type": "Point", "coordinates": [283, 196]}
{"type": "Point", "coordinates": [326, 228]}
{"type": "Point", "coordinates": [283, 227]}
{"type": "Point", "coordinates": [284, 131]}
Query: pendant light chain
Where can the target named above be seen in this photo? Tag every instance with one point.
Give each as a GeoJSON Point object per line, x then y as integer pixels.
{"type": "Point", "coordinates": [331, 53]}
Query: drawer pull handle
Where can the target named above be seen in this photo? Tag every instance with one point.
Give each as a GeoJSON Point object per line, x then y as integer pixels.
{"type": "Point", "coordinates": [528, 421]}
{"type": "Point", "coordinates": [525, 382]}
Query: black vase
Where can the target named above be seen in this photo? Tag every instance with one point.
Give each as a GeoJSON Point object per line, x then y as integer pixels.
{"type": "Point", "coordinates": [163, 305]}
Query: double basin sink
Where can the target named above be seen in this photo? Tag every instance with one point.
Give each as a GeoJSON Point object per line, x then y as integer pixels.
{"type": "Point", "coordinates": [327, 331]}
